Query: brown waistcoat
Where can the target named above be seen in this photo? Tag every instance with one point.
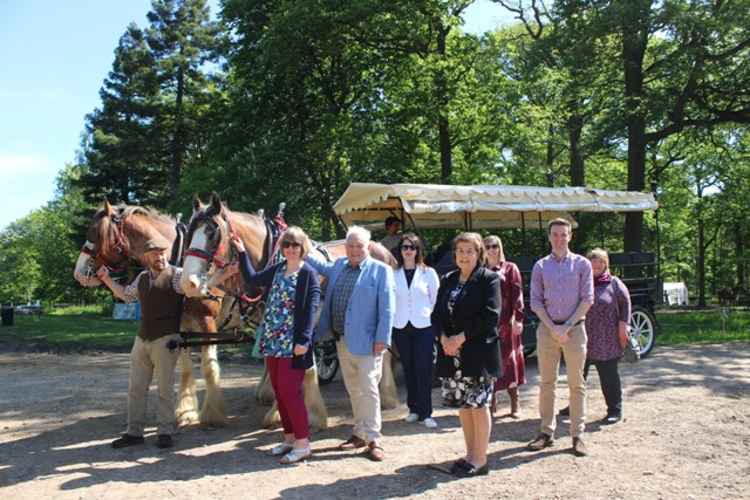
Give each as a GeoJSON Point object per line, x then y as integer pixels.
{"type": "Point", "coordinates": [161, 306]}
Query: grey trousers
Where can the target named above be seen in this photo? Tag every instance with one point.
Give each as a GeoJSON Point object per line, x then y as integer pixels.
{"type": "Point", "coordinates": [146, 358]}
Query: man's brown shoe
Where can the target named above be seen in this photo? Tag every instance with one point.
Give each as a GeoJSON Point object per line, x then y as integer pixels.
{"type": "Point", "coordinates": [353, 443]}
{"type": "Point", "coordinates": [579, 449]}
{"type": "Point", "coordinates": [127, 440]}
{"type": "Point", "coordinates": [541, 442]}
{"type": "Point", "coordinates": [375, 452]}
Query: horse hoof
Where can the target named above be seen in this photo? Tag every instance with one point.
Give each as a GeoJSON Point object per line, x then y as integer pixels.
{"type": "Point", "coordinates": [188, 418]}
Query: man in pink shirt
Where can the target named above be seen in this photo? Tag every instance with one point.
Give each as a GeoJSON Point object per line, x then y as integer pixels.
{"type": "Point", "coordinates": [562, 291]}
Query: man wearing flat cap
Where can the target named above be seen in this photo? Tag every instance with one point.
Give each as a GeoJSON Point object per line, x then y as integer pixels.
{"type": "Point", "coordinates": [160, 294]}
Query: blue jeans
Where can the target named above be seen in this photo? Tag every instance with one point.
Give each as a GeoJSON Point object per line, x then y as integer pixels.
{"type": "Point", "coordinates": [415, 348]}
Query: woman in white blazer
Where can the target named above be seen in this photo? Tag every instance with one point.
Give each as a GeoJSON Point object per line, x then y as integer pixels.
{"type": "Point", "coordinates": [416, 292]}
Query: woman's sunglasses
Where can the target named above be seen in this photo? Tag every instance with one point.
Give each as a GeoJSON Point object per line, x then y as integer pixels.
{"type": "Point", "coordinates": [287, 244]}
{"type": "Point", "coordinates": [492, 247]}
{"type": "Point", "coordinates": [408, 247]}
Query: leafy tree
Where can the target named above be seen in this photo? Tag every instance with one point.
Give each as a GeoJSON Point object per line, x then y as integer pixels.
{"type": "Point", "coordinates": [182, 39]}
{"type": "Point", "coordinates": [122, 148]}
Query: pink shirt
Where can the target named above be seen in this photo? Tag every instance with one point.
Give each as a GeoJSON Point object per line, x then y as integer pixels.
{"type": "Point", "coordinates": [558, 286]}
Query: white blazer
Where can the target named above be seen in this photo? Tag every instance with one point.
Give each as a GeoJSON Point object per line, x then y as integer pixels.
{"type": "Point", "coordinates": [415, 303]}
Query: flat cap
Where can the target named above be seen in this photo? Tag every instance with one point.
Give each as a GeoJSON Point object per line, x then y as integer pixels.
{"type": "Point", "coordinates": [156, 243]}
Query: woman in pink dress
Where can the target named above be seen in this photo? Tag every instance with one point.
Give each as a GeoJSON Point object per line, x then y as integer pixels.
{"type": "Point", "coordinates": [510, 325]}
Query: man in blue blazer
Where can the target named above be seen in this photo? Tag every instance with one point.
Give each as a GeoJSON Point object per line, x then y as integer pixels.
{"type": "Point", "coordinates": [358, 312]}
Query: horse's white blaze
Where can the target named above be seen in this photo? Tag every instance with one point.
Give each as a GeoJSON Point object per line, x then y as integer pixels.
{"type": "Point", "coordinates": [194, 267]}
{"type": "Point", "coordinates": [81, 273]}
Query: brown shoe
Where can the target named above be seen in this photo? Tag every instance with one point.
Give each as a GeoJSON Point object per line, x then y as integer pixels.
{"type": "Point", "coordinates": [541, 442]}
{"type": "Point", "coordinates": [352, 443]}
{"type": "Point", "coordinates": [375, 452]}
{"type": "Point", "coordinates": [579, 448]}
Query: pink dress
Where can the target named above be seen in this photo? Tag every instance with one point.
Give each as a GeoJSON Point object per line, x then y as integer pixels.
{"type": "Point", "coordinates": [510, 327]}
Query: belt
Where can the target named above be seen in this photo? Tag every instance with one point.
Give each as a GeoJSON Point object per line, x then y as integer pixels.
{"type": "Point", "coordinates": [574, 324]}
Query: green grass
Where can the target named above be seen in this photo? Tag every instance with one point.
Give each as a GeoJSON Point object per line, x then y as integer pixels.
{"type": "Point", "coordinates": [710, 325]}
{"type": "Point", "coordinates": [89, 330]}
{"type": "Point", "coordinates": [93, 309]}
{"type": "Point", "coordinates": [86, 327]}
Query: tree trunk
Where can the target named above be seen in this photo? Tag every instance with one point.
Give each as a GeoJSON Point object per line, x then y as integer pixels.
{"type": "Point", "coordinates": [177, 139]}
{"type": "Point", "coordinates": [700, 264]}
{"type": "Point", "coordinates": [550, 160]}
{"type": "Point", "coordinates": [634, 42]}
{"type": "Point", "coordinates": [442, 98]}
{"type": "Point", "coordinates": [577, 167]}
{"type": "Point", "coordinates": [739, 254]}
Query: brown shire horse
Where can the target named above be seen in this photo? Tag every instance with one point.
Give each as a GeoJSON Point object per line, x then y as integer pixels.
{"type": "Point", "coordinates": [205, 263]}
{"type": "Point", "coordinates": [118, 234]}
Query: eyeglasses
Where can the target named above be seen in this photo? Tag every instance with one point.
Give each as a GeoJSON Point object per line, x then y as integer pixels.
{"type": "Point", "coordinates": [408, 247]}
{"type": "Point", "coordinates": [287, 244]}
{"type": "Point", "coordinates": [492, 247]}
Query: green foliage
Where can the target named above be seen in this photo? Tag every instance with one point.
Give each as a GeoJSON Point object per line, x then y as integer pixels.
{"type": "Point", "coordinates": [311, 96]}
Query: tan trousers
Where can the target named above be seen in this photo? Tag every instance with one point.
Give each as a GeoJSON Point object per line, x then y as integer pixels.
{"type": "Point", "coordinates": [548, 353]}
{"type": "Point", "coordinates": [146, 358]}
{"type": "Point", "coordinates": [362, 378]}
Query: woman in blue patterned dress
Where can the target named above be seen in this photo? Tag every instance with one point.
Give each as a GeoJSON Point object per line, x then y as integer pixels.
{"type": "Point", "coordinates": [286, 334]}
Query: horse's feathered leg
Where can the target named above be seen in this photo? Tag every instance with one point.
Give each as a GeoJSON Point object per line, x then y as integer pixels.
{"type": "Point", "coordinates": [264, 392]}
{"type": "Point", "coordinates": [317, 413]}
{"type": "Point", "coordinates": [388, 389]}
{"type": "Point", "coordinates": [213, 411]}
{"type": "Point", "coordinates": [186, 411]}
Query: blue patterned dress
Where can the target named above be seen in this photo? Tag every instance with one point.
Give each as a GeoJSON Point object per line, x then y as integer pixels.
{"type": "Point", "coordinates": [276, 332]}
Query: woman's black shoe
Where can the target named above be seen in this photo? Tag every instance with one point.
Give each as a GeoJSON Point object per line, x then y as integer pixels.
{"type": "Point", "coordinates": [127, 440]}
{"type": "Point", "coordinates": [611, 418]}
{"type": "Point", "coordinates": [164, 441]}
{"type": "Point", "coordinates": [472, 471]}
{"type": "Point", "coordinates": [459, 466]}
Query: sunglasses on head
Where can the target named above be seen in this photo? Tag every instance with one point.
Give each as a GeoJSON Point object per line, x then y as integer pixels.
{"type": "Point", "coordinates": [492, 246]}
{"type": "Point", "coordinates": [408, 247]}
{"type": "Point", "coordinates": [287, 244]}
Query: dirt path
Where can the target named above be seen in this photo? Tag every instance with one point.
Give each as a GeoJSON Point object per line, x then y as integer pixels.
{"type": "Point", "coordinates": [686, 435]}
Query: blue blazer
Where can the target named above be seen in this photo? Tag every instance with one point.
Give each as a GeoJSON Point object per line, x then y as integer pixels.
{"type": "Point", "coordinates": [372, 306]}
{"type": "Point", "coordinates": [306, 302]}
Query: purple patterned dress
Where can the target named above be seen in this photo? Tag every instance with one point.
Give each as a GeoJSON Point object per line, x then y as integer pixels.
{"type": "Point", "coordinates": [611, 305]}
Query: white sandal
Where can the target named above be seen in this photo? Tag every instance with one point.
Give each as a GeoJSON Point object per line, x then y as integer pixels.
{"type": "Point", "coordinates": [281, 449]}
{"type": "Point", "coordinates": [296, 455]}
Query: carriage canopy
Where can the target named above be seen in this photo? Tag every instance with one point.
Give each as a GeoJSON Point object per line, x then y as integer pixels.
{"type": "Point", "coordinates": [480, 207]}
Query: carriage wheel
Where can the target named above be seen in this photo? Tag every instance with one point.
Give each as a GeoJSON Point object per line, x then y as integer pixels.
{"type": "Point", "coordinates": [326, 361]}
{"type": "Point", "coordinates": [643, 325]}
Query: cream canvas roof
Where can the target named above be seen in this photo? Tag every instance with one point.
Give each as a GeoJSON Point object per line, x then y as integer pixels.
{"type": "Point", "coordinates": [448, 206]}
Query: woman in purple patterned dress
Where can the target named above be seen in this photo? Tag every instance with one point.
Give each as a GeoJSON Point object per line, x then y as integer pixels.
{"type": "Point", "coordinates": [607, 330]}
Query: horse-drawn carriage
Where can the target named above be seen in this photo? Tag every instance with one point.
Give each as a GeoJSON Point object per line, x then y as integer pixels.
{"type": "Point", "coordinates": [474, 208]}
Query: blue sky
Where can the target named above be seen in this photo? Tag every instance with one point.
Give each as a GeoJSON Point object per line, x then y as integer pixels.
{"type": "Point", "coordinates": [55, 56]}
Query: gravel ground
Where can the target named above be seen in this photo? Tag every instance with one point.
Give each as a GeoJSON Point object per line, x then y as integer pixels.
{"type": "Point", "coordinates": [685, 435]}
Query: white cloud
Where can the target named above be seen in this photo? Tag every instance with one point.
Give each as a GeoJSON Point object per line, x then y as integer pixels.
{"type": "Point", "coordinates": [26, 164]}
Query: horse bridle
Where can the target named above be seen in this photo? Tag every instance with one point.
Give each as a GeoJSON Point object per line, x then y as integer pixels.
{"type": "Point", "coordinates": [96, 252]}
{"type": "Point", "coordinates": [214, 257]}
